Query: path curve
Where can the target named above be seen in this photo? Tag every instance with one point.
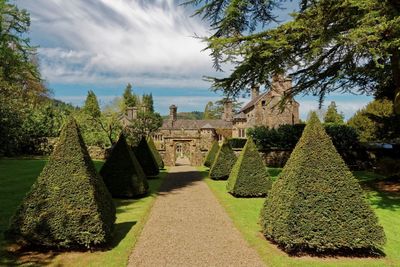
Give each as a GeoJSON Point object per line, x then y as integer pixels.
{"type": "Point", "coordinates": [188, 227]}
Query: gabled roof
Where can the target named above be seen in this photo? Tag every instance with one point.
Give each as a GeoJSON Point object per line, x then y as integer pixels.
{"type": "Point", "coordinates": [239, 116]}
{"type": "Point", "coordinates": [207, 126]}
{"type": "Point", "coordinates": [253, 102]}
{"type": "Point", "coordinates": [196, 124]}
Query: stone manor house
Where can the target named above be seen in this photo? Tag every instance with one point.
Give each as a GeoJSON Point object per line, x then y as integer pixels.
{"type": "Point", "coordinates": [193, 138]}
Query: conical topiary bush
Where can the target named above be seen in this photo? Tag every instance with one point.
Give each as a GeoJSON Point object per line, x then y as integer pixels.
{"type": "Point", "coordinates": [223, 163]}
{"type": "Point", "coordinates": [69, 205]}
{"type": "Point", "coordinates": [156, 154]}
{"type": "Point", "coordinates": [146, 158]}
{"type": "Point", "coordinates": [122, 173]}
{"type": "Point", "coordinates": [212, 153]}
{"type": "Point", "coordinates": [316, 204]}
{"type": "Point", "coordinates": [249, 177]}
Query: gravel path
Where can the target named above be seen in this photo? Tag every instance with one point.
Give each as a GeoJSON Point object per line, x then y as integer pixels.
{"type": "Point", "coordinates": [188, 227]}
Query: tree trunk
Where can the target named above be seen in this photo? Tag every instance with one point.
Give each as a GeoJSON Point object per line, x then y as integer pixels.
{"type": "Point", "coordinates": [395, 61]}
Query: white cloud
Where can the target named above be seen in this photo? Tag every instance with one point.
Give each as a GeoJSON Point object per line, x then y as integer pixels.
{"type": "Point", "coordinates": [108, 41]}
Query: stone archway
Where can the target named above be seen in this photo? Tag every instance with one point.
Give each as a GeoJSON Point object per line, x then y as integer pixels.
{"type": "Point", "coordinates": [189, 148]}
{"type": "Point", "coordinates": [182, 153]}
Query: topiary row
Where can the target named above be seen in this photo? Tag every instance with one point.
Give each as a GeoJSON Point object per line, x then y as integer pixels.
{"type": "Point", "coordinates": [69, 205]}
{"type": "Point", "coordinates": [223, 163]}
{"type": "Point", "coordinates": [249, 177]}
{"type": "Point", "coordinates": [155, 152]}
{"type": "Point", "coordinates": [212, 153]}
{"type": "Point", "coordinates": [122, 173]}
{"type": "Point", "coordinates": [316, 204]}
{"type": "Point", "coordinates": [146, 158]}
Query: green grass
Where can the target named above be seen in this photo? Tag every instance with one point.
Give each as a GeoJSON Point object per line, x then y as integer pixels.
{"type": "Point", "coordinates": [245, 214]}
{"type": "Point", "coordinates": [16, 178]}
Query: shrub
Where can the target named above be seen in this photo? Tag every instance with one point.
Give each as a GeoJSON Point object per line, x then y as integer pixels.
{"type": "Point", "coordinates": [223, 163]}
{"type": "Point", "coordinates": [316, 204]}
{"type": "Point", "coordinates": [155, 152]}
{"type": "Point", "coordinates": [343, 136]}
{"type": "Point", "coordinates": [122, 173]}
{"type": "Point", "coordinates": [249, 177]}
{"type": "Point", "coordinates": [237, 142]}
{"type": "Point", "coordinates": [146, 158]}
{"type": "Point", "coordinates": [388, 167]}
{"type": "Point", "coordinates": [212, 153]}
{"type": "Point", "coordinates": [69, 205]}
{"type": "Point", "coordinates": [286, 136]}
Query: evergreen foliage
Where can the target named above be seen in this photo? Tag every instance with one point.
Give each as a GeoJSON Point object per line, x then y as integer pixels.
{"type": "Point", "coordinates": [249, 177]}
{"type": "Point", "coordinates": [322, 58]}
{"type": "Point", "coordinates": [129, 98]}
{"type": "Point", "coordinates": [377, 122]}
{"type": "Point", "coordinates": [155, 152]}
{"type": "Point", "coordinates": [223, 163]}
{"type": "Point", "coordinates": [146, 159]}
{"type": "Point", "coordinates": [148, 103]}
{"type": "Point", "coordinates": [122, 173]}
{"type": "Point", "coordinates": [91, 106]}
{"type": "Point", "coordinates": [212, 153]}
{"type": "Point", "coordinates": [332, 115]}
{"type": "Point", "coordinates": [69, 205]}
{"type": "Point", "coordinates": [316, 204]}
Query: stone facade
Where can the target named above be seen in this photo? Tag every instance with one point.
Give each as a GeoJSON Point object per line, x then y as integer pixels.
{"type": "Point", "coordinates": [192, 138]}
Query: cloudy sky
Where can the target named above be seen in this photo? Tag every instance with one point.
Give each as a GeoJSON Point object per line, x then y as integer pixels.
{"type": "Point", "coordinates": [102, 45]}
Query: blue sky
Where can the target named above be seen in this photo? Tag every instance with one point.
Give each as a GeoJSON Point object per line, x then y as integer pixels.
{"type": "Point", "coordinates": [101, 45]}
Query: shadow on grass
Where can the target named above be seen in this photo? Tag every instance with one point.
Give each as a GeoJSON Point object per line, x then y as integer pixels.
{"type": "Point", "coordinates": [34, 256]}
{"type": "Point", "coordinates": [382, 200]}
{"type": "Point", "coordinates": [120, 232]}
{"type": "Point", "coordinates": [30, 258]}
{"type": "Point", "coordinates": [274, 172]}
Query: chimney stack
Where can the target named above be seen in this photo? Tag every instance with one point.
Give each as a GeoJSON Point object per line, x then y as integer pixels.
{"type": "Point", "coordinates": [228, 110]}
{"type": "Point", "coordinates": [255, 91]}
{"type": "Point", "coordinates": [131, 113]}
{"type": "Point", "coordinates": [172, 113]}
{"type": "Point", "coordinates": [281, 84]}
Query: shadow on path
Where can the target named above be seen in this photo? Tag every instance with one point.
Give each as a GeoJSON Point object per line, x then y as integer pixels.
{"type": "Point", "coordinates": [177, 180]}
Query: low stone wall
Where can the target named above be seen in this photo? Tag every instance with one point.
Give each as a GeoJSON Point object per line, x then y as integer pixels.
{"type": "Point", "coordinates": [360, 159]}
{"type": "Point", "coordinates": [272, 158]}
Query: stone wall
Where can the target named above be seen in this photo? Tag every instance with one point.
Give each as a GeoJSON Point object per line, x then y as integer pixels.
{"type": "Point", "coordinates": [361, 159]}
{"type": "Point", "coordinates": [272, 158]}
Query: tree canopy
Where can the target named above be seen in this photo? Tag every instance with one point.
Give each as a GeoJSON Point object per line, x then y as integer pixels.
{"type": "Point", "coordinates": [330, 45]}
{"type": "Point", "coordinates": [376, 122]}
{"type": "Point", "coordinates": [130, 99]}
{"type": "Point", "coordinates": [332, 115]}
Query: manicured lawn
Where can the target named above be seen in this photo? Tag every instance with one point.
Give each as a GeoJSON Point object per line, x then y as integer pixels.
{"type": "Point", "coordinates": [245, 214]}
{"type": "Point", "coordinates": [16, 178]}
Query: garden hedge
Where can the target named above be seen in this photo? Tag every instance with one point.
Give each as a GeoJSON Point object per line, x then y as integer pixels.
{"type": "Point", "coordinates": [122, 173]}
{"type": "Point", "coordinates": [223, 163]}
{"type": "Point", "coordinates": [316, 204]}
{"type": "Point", "coordinates": [156, 154]}
{"type": "Point", "coordinates": [69, 205]}
{"type": "Point", "coordinates": [212, 153]}
{"type": "Point", "coordinates": [286, 136]}
{"type": "Point", "coordinates": [146, 159]}
{"type": "Point", "coordinates": [249, 177]}
{"type": "Point", "coordinates": [237, 142]}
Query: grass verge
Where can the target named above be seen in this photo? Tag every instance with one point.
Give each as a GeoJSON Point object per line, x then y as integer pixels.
{"type": "Point", "coordinates": [16, 178]}
{"type": "Point", "coordinates": [244, 212]}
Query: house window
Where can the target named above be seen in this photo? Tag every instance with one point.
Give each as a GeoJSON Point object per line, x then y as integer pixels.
{"type": "Point", "coordinates": [220, 137]}
{"type": "Point", "coordinates": [263, 103]}
{"type": "Point", "coordinates": [157, 137]}
{"type": "Point", "coordinates": [242, 133]}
